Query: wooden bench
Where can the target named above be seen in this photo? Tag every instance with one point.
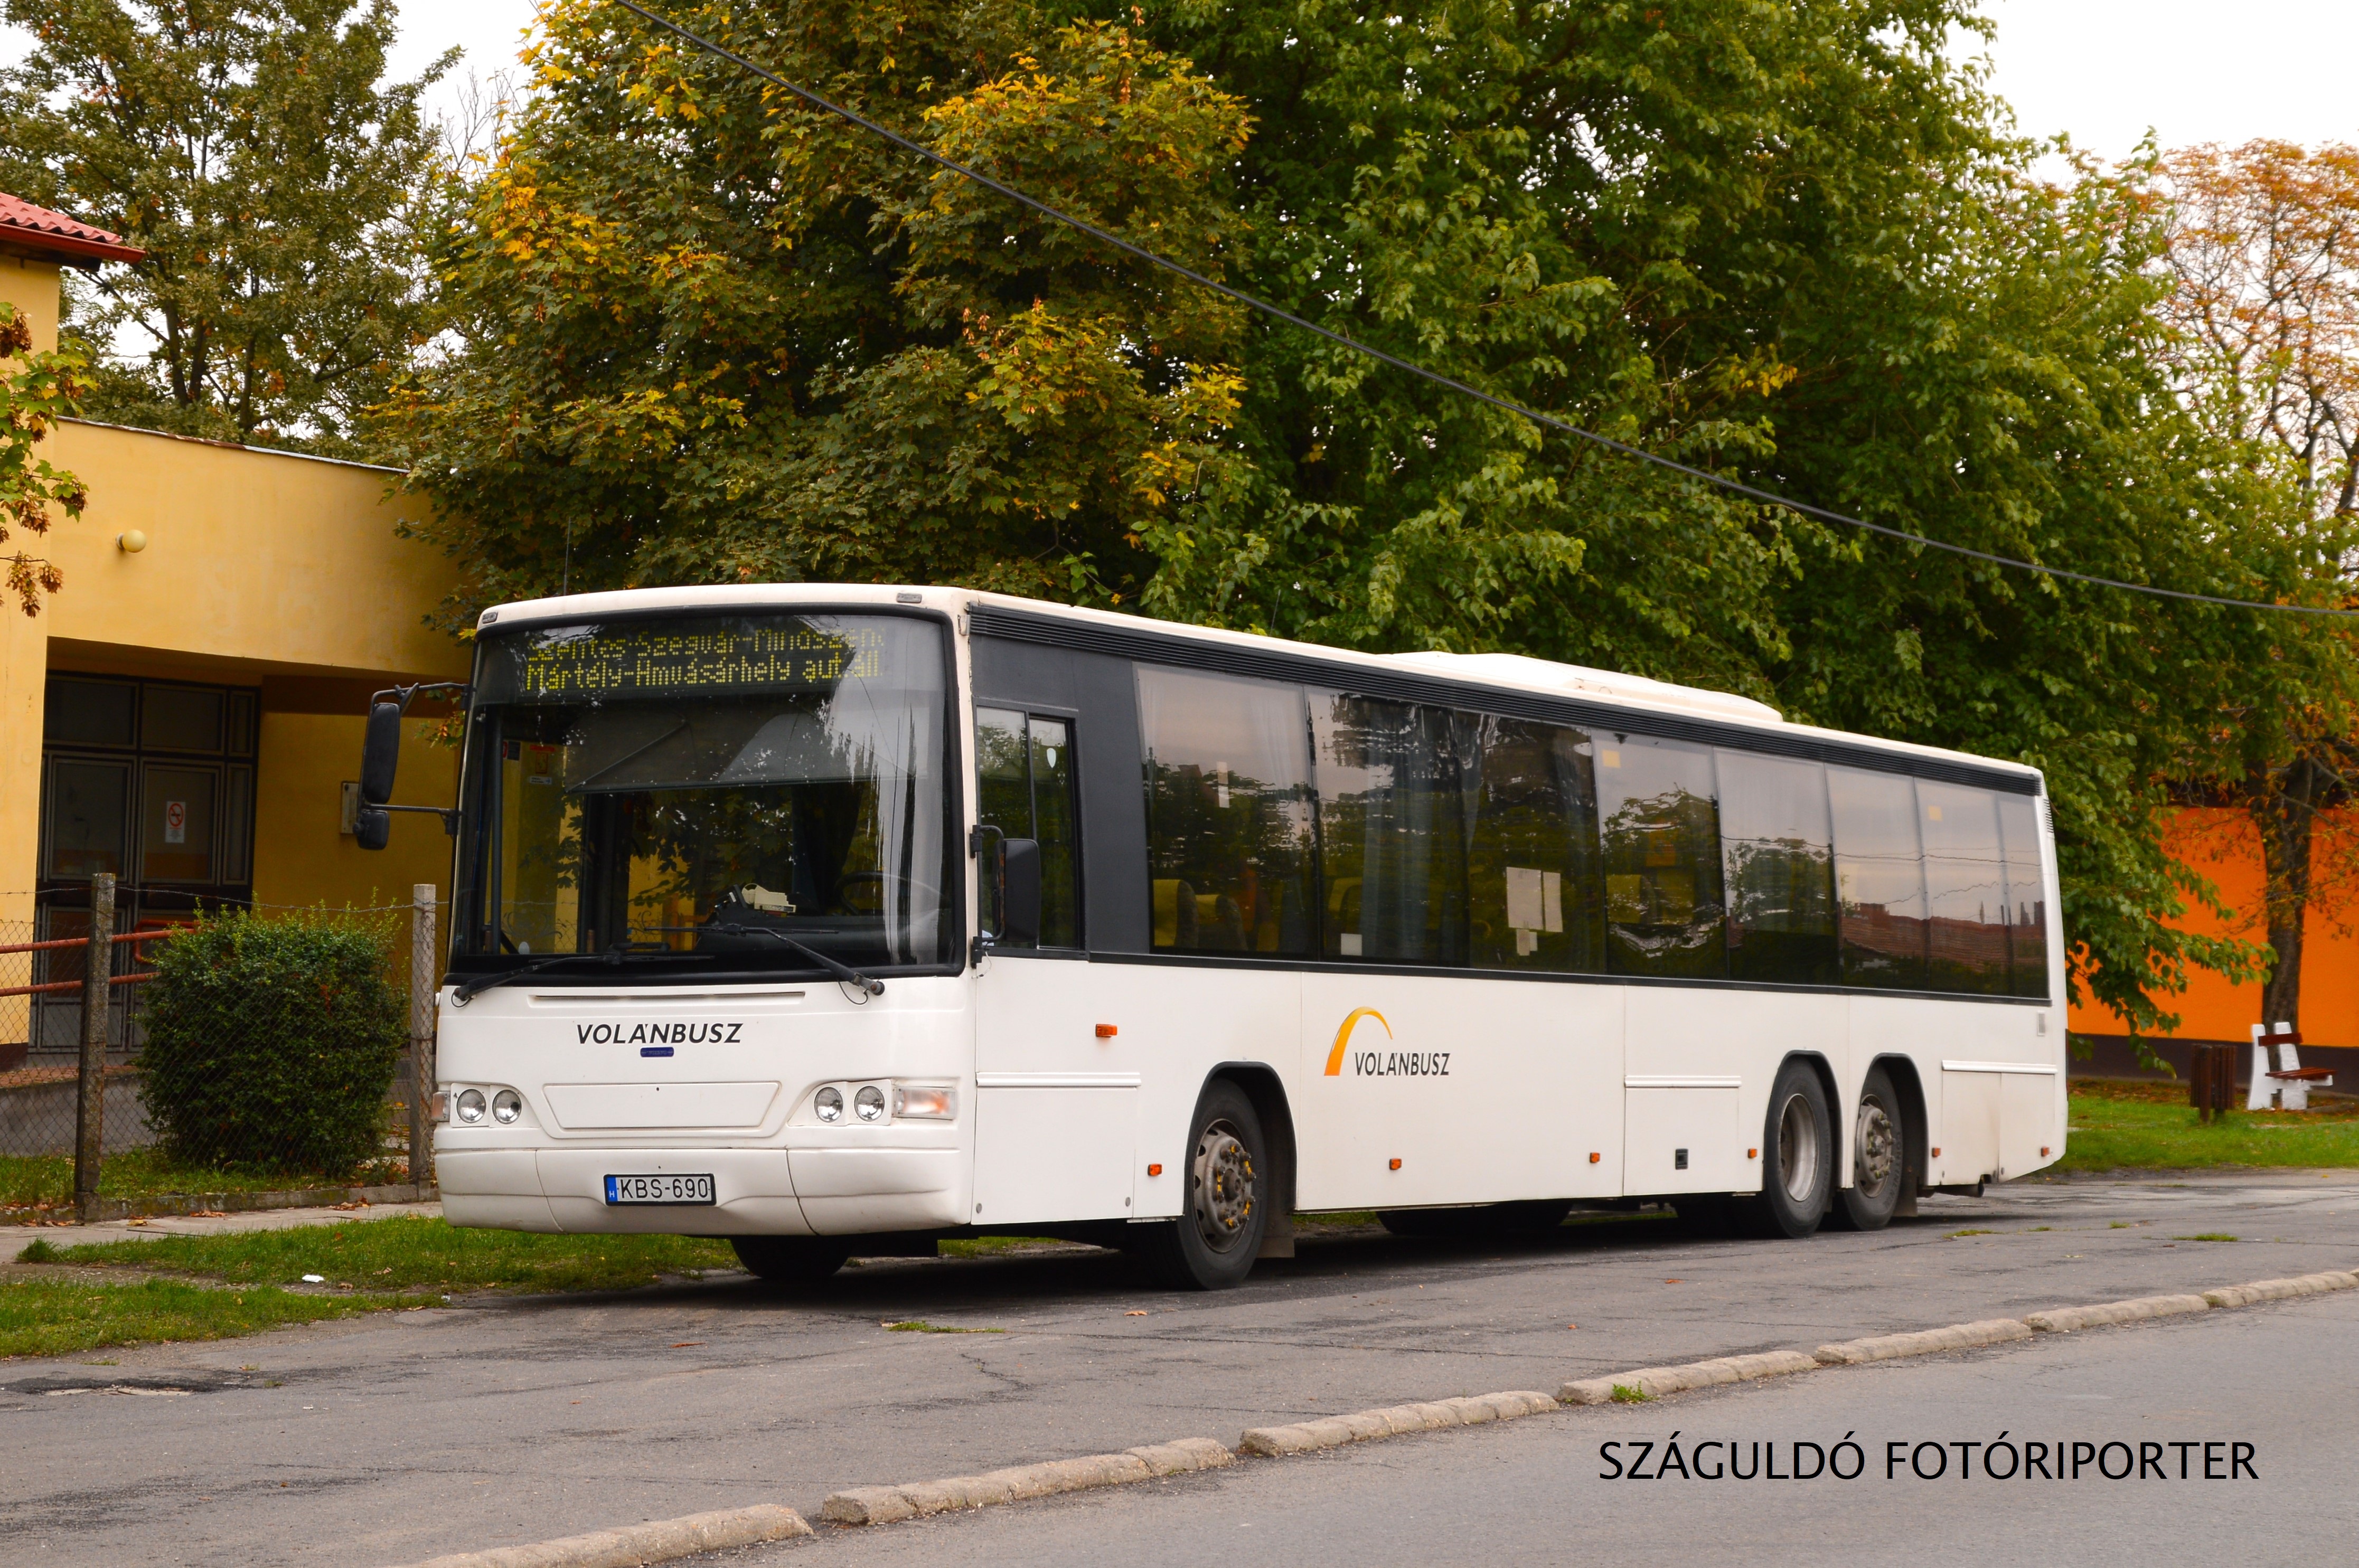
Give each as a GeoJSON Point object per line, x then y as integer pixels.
{"type": "Point", "coordinates": [2288, 1085]}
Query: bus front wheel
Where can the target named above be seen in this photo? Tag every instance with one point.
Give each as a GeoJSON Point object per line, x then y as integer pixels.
{"type": "Point", "coordinates": [1211, 1246]}
{"type": "Point", "coordinates": [789, 1259]}
{"type": "Point", "coordinates": [1796, 1156]}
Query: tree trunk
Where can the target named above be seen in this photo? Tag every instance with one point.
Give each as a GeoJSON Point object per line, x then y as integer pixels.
{"type": "Point", "coordinates": [2285, 808]}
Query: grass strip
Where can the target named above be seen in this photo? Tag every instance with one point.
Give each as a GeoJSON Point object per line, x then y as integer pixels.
{"type": "Point", "coordinates": [2150, 1125]}
{"type": "Point", "coordinates": [59, 1317]}
{"type": "Point", "coordinates": [40, 1183]}
{"type": "Point", "coordinates": [413, 1254]}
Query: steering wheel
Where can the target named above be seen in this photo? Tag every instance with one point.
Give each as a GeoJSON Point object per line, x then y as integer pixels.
{"type": "Point", "coordinates": [868, 900]}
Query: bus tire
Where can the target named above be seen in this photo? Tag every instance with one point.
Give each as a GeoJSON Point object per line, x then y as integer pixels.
{"type": "Point", "coordinates": [1796, 1156]}
{"type": "Point", "coordinates": [1879, 1163]}
{"type": "Point", "coordinates": [789, 1259]}
{"type": "Point", "coordinates": [1211, 1246]}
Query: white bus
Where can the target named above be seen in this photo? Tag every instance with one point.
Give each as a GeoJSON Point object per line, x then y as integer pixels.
{"type": "Point", "coordinates": [840, 920]}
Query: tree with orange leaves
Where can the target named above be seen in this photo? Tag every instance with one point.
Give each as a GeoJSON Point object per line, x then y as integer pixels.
{"type": "Point", "coordinates": [37, 390]}
{"type": "Point", "coordinates": [2263, 248]}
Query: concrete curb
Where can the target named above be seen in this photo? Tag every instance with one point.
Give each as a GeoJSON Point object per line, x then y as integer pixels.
{"type": "Point", "coordinates": [1394, 1420]}
{"type": "Point", "coordinates": [667, 1539]}
{"type": "Point", "coordinates": [1924, 1342]}
{"type": "Point", "coordinates": [2064, 1320]}
{"type": "Point", "coordinates": [915, 1499]}
{"type": "Point", "coordinates": [1655, 1381]}
{"type": "Point", "coordinates": [658, 1540]}
{"type": "Point", "coordinates": [2281, 1289]}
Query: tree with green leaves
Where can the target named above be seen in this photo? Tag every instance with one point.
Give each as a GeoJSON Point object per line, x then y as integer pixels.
{"type": "Point", "coordinates": [1795, 244]}
{"type": "Point", "coordinates": [708, 337]}
{"type": "Point", "coordinates": [710, 333]}
{"type": "Point", "coordinates": [248, 147]}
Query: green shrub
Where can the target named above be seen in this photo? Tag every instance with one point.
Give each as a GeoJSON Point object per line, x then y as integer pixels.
{"type": "Point", "coordinates": [270, 1042]}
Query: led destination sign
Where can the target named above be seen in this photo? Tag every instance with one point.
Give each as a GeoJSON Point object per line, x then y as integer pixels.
{"type": "Point", "coordinates": [716, 657]}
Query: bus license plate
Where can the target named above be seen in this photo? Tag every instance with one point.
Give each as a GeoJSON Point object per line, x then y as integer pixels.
{"type": "Point", "coordinates": [659, 1189]}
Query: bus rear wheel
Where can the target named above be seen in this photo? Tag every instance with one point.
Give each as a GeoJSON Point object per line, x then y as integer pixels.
{"type": "Point", "coordinates": [789, 1259]}
{"type": "Point", "coordinates": [1211, 1246]}
{"type": "Point", "coordinates": [1879, 1159]}
{"type": "Point", "coordinates": [1797, 1157]}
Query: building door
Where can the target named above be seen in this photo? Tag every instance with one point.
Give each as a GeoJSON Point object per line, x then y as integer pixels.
{"type": "Point", "coordinates": [152, 781]}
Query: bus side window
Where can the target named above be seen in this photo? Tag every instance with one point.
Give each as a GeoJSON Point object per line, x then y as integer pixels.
{"type": "Point", "coordinates": [1659, 831]}
{"type": "Point", "coordinates": [1779, 843]}
{"type": "Point", "coordinates": [1879, 878]}
{"type": "Point", "coordinates": [2027, 896]}
{"type": "Point", "coordinates": [1228, 813]}
{"type": "Point", "coordinates": [1965, 890]}
{"type": "Point", "coordinates": [1024, 766]}
{"type": "Point", "coordinates": [1390, 839]}
{"type": "Point", "coordinates": [1533, 894]}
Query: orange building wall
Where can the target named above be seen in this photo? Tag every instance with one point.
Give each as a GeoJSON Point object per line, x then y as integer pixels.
{"type": "Point", "coordinates": [2225, 845]}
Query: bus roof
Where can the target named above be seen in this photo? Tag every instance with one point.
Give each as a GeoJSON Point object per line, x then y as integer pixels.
{"type": "Point", "coordinates": [1512, 672]}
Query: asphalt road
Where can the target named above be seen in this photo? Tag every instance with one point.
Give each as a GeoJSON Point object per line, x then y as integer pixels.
{"type": "Point", "coordinates": [1537, 1490]}
{"type": "Point", "coordinates": [393, 1438]}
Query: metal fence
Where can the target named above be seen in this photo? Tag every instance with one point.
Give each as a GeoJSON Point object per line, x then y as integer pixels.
{"type": "Point", "coordinates": [75, 1101]}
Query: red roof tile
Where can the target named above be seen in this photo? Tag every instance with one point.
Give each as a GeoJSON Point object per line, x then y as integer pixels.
{"type": "Point", "coordinates": [56, 237]}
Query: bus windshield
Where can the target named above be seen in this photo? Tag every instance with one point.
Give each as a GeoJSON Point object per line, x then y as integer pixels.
{"type": "Point", "coordinates": [692, 785]}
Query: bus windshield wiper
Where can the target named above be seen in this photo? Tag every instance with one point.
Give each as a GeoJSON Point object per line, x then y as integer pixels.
{"type": "Point", "coordinates": [842, 971]}
{"type": "Point", "coordinates": [613, 957]}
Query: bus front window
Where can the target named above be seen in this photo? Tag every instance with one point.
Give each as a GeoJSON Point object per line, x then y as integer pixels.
{"type": "Point", "coordinates": [692, 785]}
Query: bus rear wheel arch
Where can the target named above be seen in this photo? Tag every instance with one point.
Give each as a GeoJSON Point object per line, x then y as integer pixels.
{"type": "Point", "coordinates": [1233, 1183]}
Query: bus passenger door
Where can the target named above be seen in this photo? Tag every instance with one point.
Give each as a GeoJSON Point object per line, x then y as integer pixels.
{"type": "Point", "coordinates": [1056, 1108]}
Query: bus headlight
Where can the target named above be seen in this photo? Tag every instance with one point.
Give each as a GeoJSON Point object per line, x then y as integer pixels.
{"type": "Point", "coordinates": [471, 1105]}
{"type": "Point", "coordinates": [506, 1106]}
{"type": "Point", "coordinates": [829, 1103]}
{"type": "Point", "coordinates": [869, 1102]}
{"type": "Point", "coordinates": [937, 1105]}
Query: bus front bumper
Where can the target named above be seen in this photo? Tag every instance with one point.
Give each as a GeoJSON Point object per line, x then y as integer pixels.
{"type": "Point", "coordinates": [757, 1192]}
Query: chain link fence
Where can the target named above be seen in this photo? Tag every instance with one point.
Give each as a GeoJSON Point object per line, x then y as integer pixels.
{"type": "Point", "coordinates": [286, 1049]}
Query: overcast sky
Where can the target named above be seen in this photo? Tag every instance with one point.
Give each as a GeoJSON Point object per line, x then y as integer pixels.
{"type": "Point", "coordinates": [2102, 70]}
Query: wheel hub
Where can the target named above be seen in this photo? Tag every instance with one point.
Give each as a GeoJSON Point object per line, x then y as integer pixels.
{"type": "Point", "coordinates": [1797, 1149]}
{"type": "Point", "coordinates": [1877, 1147]}
{"type": "Point", "coordinates": [1225, 1187]}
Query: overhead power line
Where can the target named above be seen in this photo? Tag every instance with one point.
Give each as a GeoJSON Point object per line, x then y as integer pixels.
{"type": "Point", "coordinates": [1548, 421]}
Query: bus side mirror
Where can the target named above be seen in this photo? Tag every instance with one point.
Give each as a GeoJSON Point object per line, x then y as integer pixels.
{"type": "Point", "coordinates": [371, 829]}
{"type": "Point", "coordinates": [1019, 891]}
{"type": "Point", "coordinates": [380, 753]}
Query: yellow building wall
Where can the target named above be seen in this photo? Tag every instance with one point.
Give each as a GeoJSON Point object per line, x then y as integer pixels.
{"type": "Point", "coordinates": [300, 855]}
{"type": "Point", "coordinates": [260, 569]}
{"type": "Point", "coordinates": [284, 563]}
{"type": "Point", "coordinates": [32, 287]}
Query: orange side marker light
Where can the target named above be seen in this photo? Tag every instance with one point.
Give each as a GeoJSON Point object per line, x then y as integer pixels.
{"type": "Point", "coordinates": [1752, 1153]}
{"type": "Point", "coordinates": [2043, 1151]}
{"type": "Point", "coordinates": [1594, 1156]}
{"type": "Point", "coordinates": [1105, 1032]}
{"type": "Point", "coordinates": [1395, 1164]}
{"type": "Point", "coordinates": [1155, 1170]}
{"type": "Point", "coordinates": [1937, 1153]}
